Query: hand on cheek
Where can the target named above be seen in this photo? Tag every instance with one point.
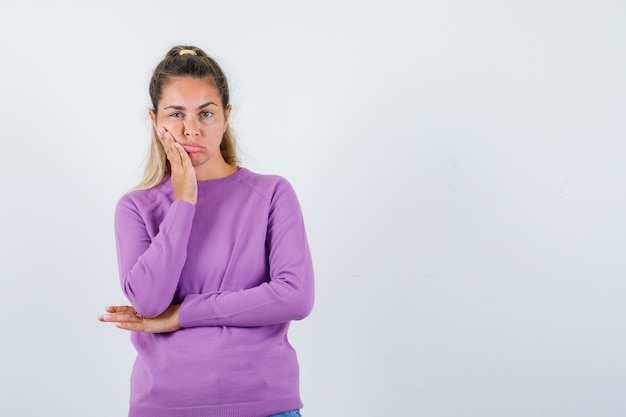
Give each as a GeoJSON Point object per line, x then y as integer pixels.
{"type": "Point", "coordinates": [183, 174]}
{"type": "Point", "coordinates": [163, 131]}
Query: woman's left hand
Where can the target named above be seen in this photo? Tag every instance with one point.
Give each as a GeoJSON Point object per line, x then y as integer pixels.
{"type": "Point", "coordinates": [125, 317]}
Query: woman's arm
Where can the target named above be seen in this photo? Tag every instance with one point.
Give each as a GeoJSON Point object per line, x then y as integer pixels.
{"type": "Point", "coordinates": [289, 294]}
{"type": "Point", "coordinates": [150, 268]}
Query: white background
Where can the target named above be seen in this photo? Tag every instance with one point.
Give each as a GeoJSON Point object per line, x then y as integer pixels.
{"type": "Point", "coordinates": [460, 166]}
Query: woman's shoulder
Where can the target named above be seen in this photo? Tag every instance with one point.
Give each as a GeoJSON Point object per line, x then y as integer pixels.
{"type": "Point", "coordinates": [148, 197]}
{"type": "Point", "coordinates": [265, 184]}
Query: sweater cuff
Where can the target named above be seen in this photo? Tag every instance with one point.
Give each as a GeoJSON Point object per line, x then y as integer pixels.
{"type": "Point", "coordinates": [197, 311]}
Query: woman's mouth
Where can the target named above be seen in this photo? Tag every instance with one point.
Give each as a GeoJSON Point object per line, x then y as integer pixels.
{"type": "Point", "coordinates": [192, 148]}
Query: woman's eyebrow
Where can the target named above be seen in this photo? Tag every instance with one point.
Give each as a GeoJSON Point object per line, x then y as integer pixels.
{"type": "Point", "coordinates": [206, 104]}
{"type": "Point", "coordinates": [175, 107]}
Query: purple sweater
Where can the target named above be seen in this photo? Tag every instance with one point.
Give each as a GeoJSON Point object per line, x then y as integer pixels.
{"type": "Point", "coordinates": [240, 265]}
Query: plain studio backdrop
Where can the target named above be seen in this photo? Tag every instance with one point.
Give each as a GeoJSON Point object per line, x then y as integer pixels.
{"type": "Point", "coordinates": [460, 165]}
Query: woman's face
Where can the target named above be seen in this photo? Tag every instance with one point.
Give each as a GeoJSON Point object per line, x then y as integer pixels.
{"type": "Point", "coordinates": [191, 110]}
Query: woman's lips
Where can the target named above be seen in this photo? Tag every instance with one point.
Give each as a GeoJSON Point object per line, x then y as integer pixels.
{"type": "Point", "coordinates": [192, 148]}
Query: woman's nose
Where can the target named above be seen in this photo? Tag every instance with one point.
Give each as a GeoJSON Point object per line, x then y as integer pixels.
{"type": "Point", "coordinates": [191, 128]}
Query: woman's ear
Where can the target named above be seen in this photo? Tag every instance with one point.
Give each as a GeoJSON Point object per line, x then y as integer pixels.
{"type": "Point", "coordinates": [153, 118]}
{"type": "Point", "coordinates": [227, 111]}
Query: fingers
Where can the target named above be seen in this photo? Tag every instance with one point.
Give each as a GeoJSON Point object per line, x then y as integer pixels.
{"type": "Point", "coordinates": [118, 309]}
{"type": "Point", "coordinates": [126, 318]}
{"type": "Point", "coordinates": [182, 171]}
{"type": "Point", "coordinates": [168, 142]}
{"type": "Point", "coordinates": [184, 156]}
{"type": "Point", "coordinates": [121, 314]}
{"type": "Point", "coordinates": [176, 154]}
{"type": "Point", "coordinates": [133, 327]}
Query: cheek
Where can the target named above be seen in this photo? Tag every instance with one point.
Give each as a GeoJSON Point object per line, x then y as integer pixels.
{"type": "Point", "coordinates": [171, 124]}
{"type": "Point", "coordinates": [174, 126]}
{"type": "Point", "coordinates": [214, 127]}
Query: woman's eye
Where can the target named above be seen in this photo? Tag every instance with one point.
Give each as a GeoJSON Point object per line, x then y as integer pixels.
{"type": "Point", "coordinates": [176, 115]}
{"type": "Point", "coordinates": [206, 114]}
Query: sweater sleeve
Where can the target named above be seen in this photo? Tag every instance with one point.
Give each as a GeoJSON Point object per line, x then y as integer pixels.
{"type": "Point", "coordinates": [288, 295]}
{"type": "Point", "coordinates": [150, 268]}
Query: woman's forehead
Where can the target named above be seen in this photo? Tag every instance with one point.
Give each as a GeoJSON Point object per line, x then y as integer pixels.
{"type": "Point", "coordinates": [189, 91]}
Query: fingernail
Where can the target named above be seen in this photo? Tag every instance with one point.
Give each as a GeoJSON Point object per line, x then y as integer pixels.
{"type": "Point", "coordinates": [160, 130]}
{"type": "Point", "coordinates": [105, 317]}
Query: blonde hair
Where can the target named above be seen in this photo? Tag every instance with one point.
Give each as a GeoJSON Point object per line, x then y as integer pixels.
{"type": "Point", "coordinates": [183, 61]}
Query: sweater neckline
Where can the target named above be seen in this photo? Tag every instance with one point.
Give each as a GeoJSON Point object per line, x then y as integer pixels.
{"type": "Point", "coordinates": [207, 184]}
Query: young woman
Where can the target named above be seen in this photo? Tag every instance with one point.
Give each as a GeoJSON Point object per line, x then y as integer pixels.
{"type": "Point", "coordinates": [213, 259]}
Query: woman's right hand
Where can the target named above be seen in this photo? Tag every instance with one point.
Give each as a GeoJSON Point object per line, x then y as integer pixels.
{"type": "Point", "coordinates": [126, 318]}
{"type": "Point", "coordinates": [183, 175]}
